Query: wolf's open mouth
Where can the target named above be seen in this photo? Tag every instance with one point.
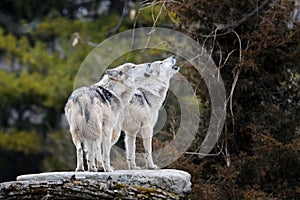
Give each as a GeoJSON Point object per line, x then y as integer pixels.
{"type": "Point", "coordinates": [175, 67]}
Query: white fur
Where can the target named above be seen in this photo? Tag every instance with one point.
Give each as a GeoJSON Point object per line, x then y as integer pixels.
{"type": "Point", "coordinates": [92, 117]}
{"type": "Point", "coordinates": [141, 117]}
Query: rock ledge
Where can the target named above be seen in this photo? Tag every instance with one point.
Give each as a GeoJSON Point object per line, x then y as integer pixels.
{"type": "Point", "coordinates": [121, 184]}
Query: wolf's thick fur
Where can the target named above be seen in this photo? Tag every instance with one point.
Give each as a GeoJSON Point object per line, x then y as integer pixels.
{"type": "Point", "coordinates": [141, 113]}
{"type": "Point", "coordinates": [92, 113]}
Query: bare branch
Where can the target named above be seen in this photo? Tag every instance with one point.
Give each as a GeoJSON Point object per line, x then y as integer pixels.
{"type": "Point", "coordinates": [125, 7]}
{"type": "Point", "coordinates": [155, 21]}
{"type": "Point", "coordinates": [204, 154]}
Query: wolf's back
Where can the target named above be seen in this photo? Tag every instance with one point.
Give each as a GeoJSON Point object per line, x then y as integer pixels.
{"type": "Point", "coordinates": [83, 113]}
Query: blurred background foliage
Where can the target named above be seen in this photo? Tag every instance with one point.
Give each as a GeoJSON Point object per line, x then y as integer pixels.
{"type": "Point", "coordinates": [42, 45]}
{"type": "Point", "coordinates": [256, 43]}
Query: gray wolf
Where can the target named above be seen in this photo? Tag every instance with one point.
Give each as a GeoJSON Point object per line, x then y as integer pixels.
{"type": "Point", "coordinates": [92, 113]}
{"type": "Point", "coordinates": [141, 114]}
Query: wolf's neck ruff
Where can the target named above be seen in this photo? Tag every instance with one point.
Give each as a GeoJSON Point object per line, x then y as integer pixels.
{"type": "Point", "coordinates": [104, 94]}
{"type": "Point", "coordinates": [116, 89]}
{"type": "Point", "coordinates": [107, 85]}
{"type": "Point", "coordinates": [140, 99]}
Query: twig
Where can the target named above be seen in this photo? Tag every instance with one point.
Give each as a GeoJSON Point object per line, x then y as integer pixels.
{"type": "Point", "coordinates": [227, 154]}
{"type": "Point", "coordinates": [206, 38]}
{"type": "Point", "coordinates": [113, 30]}
{"type": "Point", "coordinates": [154, 23]}
{"type": "Point", "coordinates": [236, 76]}
{"type": "Point", "coordinates": [204, 154]}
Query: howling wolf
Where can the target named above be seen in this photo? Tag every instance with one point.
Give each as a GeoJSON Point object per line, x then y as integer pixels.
{"type": "Point", "coordinates": [92, 113]}
{"type": "Point", "coordinates": [141, 113]}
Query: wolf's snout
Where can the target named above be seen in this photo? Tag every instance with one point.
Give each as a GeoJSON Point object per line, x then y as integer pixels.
{"type": "Point", "coordinates": [173, 60]}
{"type": "Point", "coordinates": [176, 68]}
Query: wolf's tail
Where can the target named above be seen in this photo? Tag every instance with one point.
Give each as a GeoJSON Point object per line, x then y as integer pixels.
{"type": "Point", "coordinates": [91, 112]}
{"type": "Point", "coordinates": [85, 106]}
{"type": "Point", "coordinates": [83, 114]}
{"type": "Point", "coordinates": [78, 110]}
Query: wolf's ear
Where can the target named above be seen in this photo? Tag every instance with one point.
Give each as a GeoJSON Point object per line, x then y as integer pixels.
{"type": "Point", "coordinates": [112, 73]}
{"type": "Point", "coordinates": [115, 74]}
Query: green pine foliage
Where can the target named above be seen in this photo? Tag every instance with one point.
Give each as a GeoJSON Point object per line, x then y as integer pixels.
{"type": "Point", "coordinates": [28, 142]}
{"type": "Point", "coordinates": [38, 66]}
{"type": "Point", "coordinates": [37, 74]}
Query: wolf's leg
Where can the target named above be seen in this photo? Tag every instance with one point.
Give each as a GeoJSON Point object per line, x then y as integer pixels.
{"type": "Point", "coordinates": [130, 150]}
{"type": "Point", "coordinates": [115, 135]}
{"type": "Point", "coordinates": [98, 156]}
{"type": "Point", "coordinates": [90, 158]}
{"type": "Point", "coordinates": [90, 148]}
{"type": "Point", "coordinates": [79, 150]}
{"type": "Point", "coordinates": [106, 144]}
{"type": "Point", "coordinates": [93, 157]}
{"type": "Point", "coordinates": [147, 134]}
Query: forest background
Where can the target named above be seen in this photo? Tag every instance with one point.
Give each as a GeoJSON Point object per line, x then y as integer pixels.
{"type": "Point", "coordinates": [254, 43]}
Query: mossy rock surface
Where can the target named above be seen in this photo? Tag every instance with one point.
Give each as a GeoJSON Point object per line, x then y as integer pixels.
{"type": "Point", "coordinates": [123, 184]}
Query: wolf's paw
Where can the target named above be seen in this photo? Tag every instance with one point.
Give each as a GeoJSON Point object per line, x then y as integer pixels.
{"type": "Point", "coordinates": [79, 170]}
{"type": "Point", "coordinates": [155, 167]}
{"type": "Point", "coordinates": [109, 169]}
{"type": "Point", "coordinates": [132, 165]}
{"type": "Point", "coordinates": [135, 168]}
{"type": "Point", "coordinates": [93, 169]}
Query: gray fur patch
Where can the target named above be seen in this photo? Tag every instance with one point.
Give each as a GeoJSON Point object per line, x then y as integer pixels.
{"type": "Point", "coordinates": [92, 92]}
{"type": "Point", "coordinates": [87, 114]}
{"type": "Point", "coordinates": [141, 98]}
{"type": "Point", "coordinates": [137, 98]}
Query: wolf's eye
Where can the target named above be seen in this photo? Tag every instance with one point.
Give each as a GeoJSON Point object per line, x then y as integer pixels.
{"type": "Point", "coordinates": [133, 67]}
{"type": "Point", "coordinates": [121, 73]}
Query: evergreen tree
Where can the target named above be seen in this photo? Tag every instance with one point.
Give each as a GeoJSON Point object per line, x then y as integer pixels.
{"type": "Point", "coordinates": [254, 45]}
